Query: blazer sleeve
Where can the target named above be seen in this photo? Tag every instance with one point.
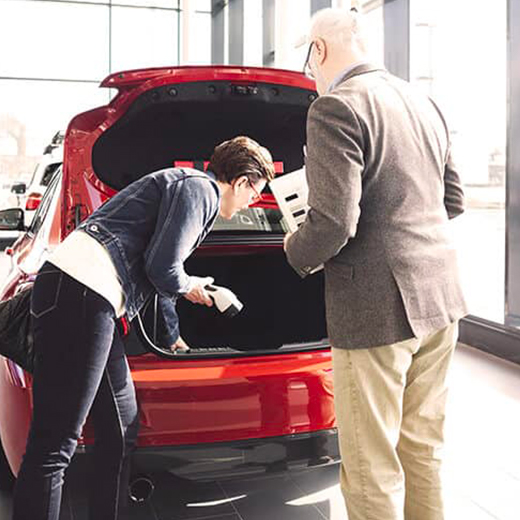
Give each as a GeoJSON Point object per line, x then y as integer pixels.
{"type": "Point", "coordinates": [453, 193]}
{"type": "Point", "coordinates": [334, 166]}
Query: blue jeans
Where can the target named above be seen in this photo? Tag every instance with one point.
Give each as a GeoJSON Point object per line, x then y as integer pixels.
{"type": "Point", "coordinates": [80, 368]}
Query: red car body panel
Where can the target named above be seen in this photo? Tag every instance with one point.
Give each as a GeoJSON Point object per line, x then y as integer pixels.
{"type": "Point", "coordinates": [187, 402]}
{"type": "Point", "coordinates": [190, 401]}
{"type": "Point", "coordinates": [15, 414]}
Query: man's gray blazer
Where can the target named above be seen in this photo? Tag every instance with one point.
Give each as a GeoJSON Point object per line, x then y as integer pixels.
{"type": "Point", "coordinates": [382, 187]}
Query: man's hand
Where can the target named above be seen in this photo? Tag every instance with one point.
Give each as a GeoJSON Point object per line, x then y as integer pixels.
{"type": "Point", "coordinates": [180, 346]}
{"type": "Point", "coordinates": [197, 293]}
{"type": "Point", "coordinates": [285, 239]}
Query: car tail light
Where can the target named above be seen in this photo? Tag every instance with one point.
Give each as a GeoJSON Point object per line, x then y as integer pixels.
{"type": "Point", "coordinates": [33, 201]}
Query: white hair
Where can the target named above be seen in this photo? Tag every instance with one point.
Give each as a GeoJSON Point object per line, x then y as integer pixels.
{"type": "Point", "coordinates": [340, 28]}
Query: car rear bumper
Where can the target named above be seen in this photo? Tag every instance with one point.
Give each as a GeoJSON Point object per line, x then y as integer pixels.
{"type": "Point", "coordinates": [208, 401]}
{"type": "Point", "coordinates": [238, 459]}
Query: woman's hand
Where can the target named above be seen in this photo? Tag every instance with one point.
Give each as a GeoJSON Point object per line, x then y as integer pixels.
{"type": "Point", "coordinates": [180, 346]}
{"type": "Point", "coordinates": [198, 293]}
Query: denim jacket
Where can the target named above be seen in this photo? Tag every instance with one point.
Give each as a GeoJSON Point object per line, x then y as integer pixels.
{"type": "Point", "coordinates": [150, 228]}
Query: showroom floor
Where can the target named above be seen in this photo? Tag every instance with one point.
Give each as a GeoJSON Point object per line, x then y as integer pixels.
{"type": "Point", "coordinates": [482, 469]}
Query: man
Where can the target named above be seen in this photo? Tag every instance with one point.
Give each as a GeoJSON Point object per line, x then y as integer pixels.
{"type": "Point", "coordinates": [382, 187]}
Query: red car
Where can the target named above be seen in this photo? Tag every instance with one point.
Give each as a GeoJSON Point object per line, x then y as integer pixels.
{"type": "Point", "coordinates": [255, 392]}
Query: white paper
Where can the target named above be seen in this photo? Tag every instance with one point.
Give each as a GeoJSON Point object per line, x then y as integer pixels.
{"type": "Point", "coordinates": [291, 193]}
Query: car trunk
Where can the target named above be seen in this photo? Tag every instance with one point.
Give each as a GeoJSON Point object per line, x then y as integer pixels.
{"type": "Point", "coordinates": [281, 311]}
{"type": "Point", "coordinates": [184, 122]}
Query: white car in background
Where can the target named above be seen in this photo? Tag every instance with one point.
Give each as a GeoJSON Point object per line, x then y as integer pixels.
{"type": "Point", "coordinates": [28, 196]}
{"type": "Point", "coordinates": [45, 170]}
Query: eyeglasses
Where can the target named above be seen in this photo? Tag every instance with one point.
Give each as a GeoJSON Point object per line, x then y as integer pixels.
{"type": "Point", "coordinates": [257, 197]}
{"type": "Point", "coordinates": [306, 66]}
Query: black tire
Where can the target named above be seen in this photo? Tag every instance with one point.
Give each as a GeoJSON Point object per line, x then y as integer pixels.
{"type": "Point", "coordinates": [6, 475]}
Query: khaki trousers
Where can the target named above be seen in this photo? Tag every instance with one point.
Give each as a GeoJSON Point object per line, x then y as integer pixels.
{"type": "Point", "coordinates": [390, 409]}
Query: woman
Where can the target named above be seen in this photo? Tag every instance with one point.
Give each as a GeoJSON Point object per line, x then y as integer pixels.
{"type": "Point", "coordinates": [131, 247]}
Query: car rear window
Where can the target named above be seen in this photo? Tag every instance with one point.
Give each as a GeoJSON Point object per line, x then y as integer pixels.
{"type": "Point", "coordinates": [253, 220]}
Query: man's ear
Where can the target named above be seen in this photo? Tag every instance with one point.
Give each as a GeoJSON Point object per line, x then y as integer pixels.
{"type": "Point", "coordinates": [239, 182]}
{"type": "Point", "coordinates": [320, 50]}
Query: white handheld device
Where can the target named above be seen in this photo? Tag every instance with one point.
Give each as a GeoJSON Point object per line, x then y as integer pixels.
{"type": "Point", "coordinates": [225, 300]}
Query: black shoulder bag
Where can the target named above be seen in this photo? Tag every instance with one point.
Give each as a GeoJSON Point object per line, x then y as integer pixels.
{"type": "Point", "coordinates": [16, 339]}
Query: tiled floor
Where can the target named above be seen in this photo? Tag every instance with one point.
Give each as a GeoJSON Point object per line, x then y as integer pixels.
{"type": "Point", "coordinates": [482, 469]}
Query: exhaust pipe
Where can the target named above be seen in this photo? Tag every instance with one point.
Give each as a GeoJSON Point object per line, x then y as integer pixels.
{"type": "Point", "coordinates": [141, 489]}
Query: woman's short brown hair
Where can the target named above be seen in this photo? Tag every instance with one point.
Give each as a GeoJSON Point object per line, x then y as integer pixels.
{"type": "Point", "coordinates": [241, 156]}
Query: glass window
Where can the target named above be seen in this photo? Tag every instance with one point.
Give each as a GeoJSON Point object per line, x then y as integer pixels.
{"type": "Point", "coordinates": [166, 4]}
{"type": "Point", "coordinates": [33, 111]}
{"type": "Point", "coordinates": [8, 144]}
{"type": "Point", "coordinates": [53, 40]}
{"type": "Point", "coordinates": [204, 5]}
{"type": "Point", "coordinates": [106, 2]}
{"type": "Point", "coordinates": [253, 37]}
{"type": "Point", "coordinates": [449, 67]}
{"type": "Point", "coordinates": [374, 29]}
{"type": "Point", "coordinates": [199, 39]}
{"type": "Point", "coordinates": [170, 4]}
{"type": "Point", "coordinates": [143, 38]}
{"type": "Point", "coordinates": [292, 18]}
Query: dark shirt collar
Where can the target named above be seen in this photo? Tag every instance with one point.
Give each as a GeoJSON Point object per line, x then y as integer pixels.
{"type": "Point", "coordinates": [211, 175]}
